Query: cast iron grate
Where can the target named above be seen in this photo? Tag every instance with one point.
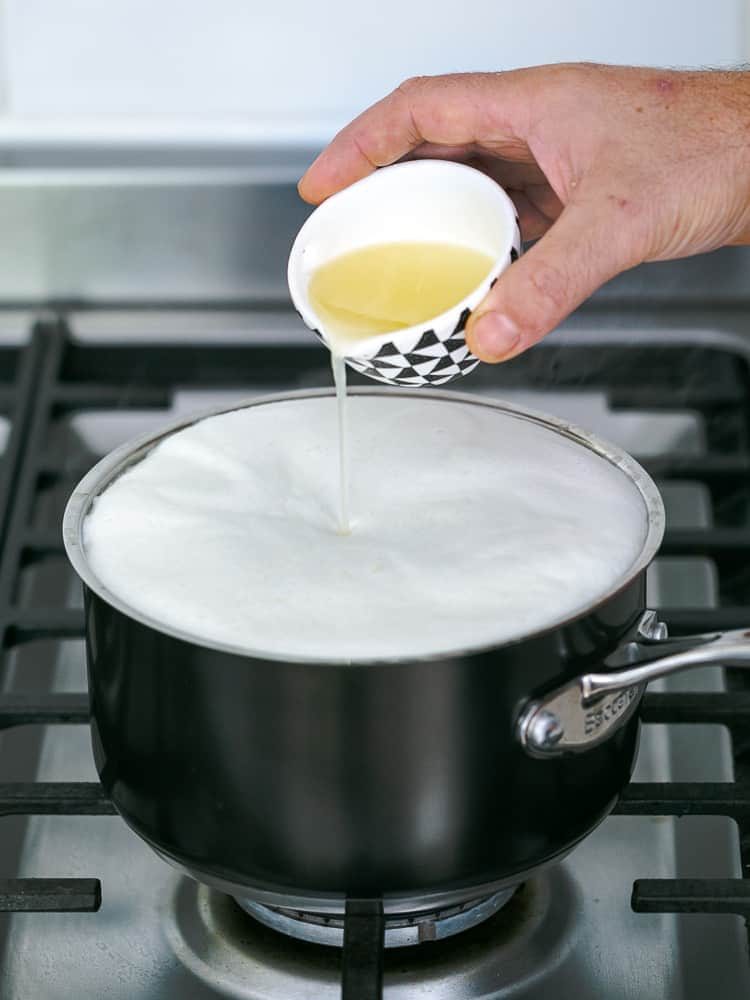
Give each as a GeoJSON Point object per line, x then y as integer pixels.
{"type": "Point", "coordinates": [52, 377]}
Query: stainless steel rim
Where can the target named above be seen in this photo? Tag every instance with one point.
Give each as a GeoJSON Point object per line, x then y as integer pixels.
{"type": "Point", "coordinates": [118, 461]}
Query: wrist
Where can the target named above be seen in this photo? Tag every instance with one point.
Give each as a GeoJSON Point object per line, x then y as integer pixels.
{"type": "Point", "coordinates": [736, 134]}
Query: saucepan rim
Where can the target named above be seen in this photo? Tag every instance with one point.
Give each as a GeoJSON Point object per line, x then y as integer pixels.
{"type": "Point", "coordinates": [116, 462]}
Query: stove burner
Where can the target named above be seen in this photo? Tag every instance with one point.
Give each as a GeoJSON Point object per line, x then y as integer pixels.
{"type": "Point", "coordinates": [522, 952]}
{"type": "Point", "coordinates": [401, 930]}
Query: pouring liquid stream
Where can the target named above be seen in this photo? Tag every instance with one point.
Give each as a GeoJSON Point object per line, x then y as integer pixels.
{"type": "Point", "coordinates": [339, 378]}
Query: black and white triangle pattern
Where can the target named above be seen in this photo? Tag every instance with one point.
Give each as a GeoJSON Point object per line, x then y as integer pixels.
{"type": "Point", "coordinates": [430, 361]}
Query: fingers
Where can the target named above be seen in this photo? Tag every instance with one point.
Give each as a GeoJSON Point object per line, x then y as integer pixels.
{"type": "Point", "coordinates": [537, 205]}
{"type": "Point", "coordinates": [458, 110]}
{"type": "Point", "coordinates": [544, 199]}
{"type": "Point", "coordinates": [580, 252]}
{"type": "Point", "coordinates": [507, 173]}
{"type": "Point", "coordinates": [532, 222]}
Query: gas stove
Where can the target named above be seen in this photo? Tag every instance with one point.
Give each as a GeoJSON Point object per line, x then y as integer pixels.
{"type": "Point", "coordinates": [650, 905]}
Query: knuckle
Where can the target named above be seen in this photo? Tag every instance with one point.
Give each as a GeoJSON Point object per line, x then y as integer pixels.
{"type": "Point", "coordinates": [580, 72]}
{"type": "Point", "coordinates": [412, 85]}
{"type": "Point", "coordinates": [549, 285]}
{"type": "Point", "coordinates": [569, 75]}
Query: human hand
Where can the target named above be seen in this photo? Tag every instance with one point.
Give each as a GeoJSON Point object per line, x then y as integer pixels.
{"type": "Point", "coordinates": [610, 166]}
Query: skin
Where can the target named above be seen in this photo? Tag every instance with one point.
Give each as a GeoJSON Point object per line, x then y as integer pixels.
{"type": "Point", "coordinates": [608, 167]}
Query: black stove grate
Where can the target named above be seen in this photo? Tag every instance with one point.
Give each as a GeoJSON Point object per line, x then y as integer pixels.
{"type": "Point", "coordinates": [52, 377]}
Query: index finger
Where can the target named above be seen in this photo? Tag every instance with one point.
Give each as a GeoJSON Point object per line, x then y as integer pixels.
{"type": "Point", "coordinates": [488, 109]}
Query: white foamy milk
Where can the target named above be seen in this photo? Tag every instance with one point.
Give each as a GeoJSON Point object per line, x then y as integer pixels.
{"type": "Point", "coordinates": [470, 526]}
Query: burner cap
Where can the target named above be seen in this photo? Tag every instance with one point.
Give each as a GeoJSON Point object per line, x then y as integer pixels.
{"type": "Point", "coordinates": [400, 929]}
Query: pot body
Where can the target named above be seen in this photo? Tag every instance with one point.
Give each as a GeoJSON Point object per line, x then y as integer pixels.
{"type": "Point", "coordinates": [310, 781]}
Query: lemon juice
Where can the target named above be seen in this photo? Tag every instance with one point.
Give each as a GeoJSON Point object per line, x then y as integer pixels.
{"type": "Point", "coordinates": [391, 286]}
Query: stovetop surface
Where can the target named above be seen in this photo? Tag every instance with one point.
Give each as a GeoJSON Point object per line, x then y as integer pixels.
{"type": "Point", "coordinates": [569, 932]}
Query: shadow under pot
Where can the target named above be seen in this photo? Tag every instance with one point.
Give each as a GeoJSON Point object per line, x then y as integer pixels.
{"type": "Point", "coordinates": [425, 779]}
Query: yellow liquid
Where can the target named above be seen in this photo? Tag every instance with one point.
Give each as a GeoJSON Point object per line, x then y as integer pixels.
{"type": "Point", "coordinates": [391, 286]}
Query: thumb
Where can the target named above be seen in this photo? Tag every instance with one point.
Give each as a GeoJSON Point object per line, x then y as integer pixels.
{"type": "Point", "coordinates": [578, 253]}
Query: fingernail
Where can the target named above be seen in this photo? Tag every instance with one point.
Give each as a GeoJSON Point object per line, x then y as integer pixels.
{"type": "Point", "coordinates": [495, 336]}
{"type": "Point", "coordinates": [302, 183]}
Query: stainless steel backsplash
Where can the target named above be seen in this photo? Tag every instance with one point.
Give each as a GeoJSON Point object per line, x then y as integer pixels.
{"type": "Point", "coordinates": [126, 225]}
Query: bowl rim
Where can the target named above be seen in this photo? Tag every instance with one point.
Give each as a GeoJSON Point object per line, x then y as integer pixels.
{"type": "Point", "coordinates": [118, 461]}
{"type": "Point", "coordinates": [368, 347]}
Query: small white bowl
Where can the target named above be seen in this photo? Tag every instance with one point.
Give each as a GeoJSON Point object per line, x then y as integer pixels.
{"type": "Point", "coordinates": [422, 200]}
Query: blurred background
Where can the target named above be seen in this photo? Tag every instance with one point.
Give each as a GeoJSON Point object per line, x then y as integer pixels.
{"type": "Point", "coordinates": [232, 70]}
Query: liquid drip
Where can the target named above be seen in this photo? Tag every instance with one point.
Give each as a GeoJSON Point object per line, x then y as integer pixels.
{"type": "Point", "coordinates": [391, 286]}
{"type": "Point", "coordinates": [339, 377]}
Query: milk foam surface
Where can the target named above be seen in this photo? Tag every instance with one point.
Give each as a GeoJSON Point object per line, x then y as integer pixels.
{"type": "Point", "coordinates": [469, 527]}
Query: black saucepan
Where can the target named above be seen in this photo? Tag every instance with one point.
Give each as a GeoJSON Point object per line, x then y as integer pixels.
{"type": "Point", "coordinates": [422, 781]}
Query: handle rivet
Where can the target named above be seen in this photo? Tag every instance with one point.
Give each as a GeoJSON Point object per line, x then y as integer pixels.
{"type": "Point", "coordinates": [545, 731]}
{"type": "Point", "coordinates": [651, 629]}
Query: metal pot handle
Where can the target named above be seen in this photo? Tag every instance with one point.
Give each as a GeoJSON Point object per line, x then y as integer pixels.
{"type": "Point", "coordinates": [586, 711]}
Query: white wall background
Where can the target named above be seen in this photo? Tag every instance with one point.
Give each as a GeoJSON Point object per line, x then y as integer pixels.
{"type": "Point", "coordinates": [294, 69]}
